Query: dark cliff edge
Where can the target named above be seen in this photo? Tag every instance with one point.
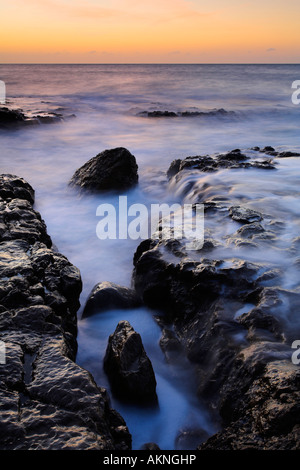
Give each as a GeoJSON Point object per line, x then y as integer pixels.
{"type": "Point", "coordinates": [47, 401]}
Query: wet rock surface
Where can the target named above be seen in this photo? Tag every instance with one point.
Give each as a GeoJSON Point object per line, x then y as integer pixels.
{"type": "Point", "coordinates": [232, 353]}
{"type": "Point", "coordinates": [47, 400]}
{"type": "Point", "coordinates": [193, 113]}
{"type": "Point", "coordinates": [209, 163]}
{"type": "Point", "coordinates": [17, 118]}
{"type": "Point", "coordinates": [128, 367]}
{"type": "Point", "coordinates": [107, 296]}
{"type": "Point", "coordinates": [111, 169]}
{"type": "Point", "coordinates": [232, 317]}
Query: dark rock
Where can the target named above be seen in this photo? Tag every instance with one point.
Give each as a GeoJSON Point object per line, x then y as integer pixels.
{"type": "Point", "coordinates": [207, 163]}
{"type": "Point", "coordinates": [174, 168]}
{"type": "Point", "coordinates": [231, 318]}
{"type": "Point", "coordinates": [150, 446]}
{"type": "Point", "coordinates": [262, 395]}
{"type": "Point", "coordinates": [170, 345]}
{"type": "Point", "coordinates": [113, 169]}
{"type": "Point", "coordinates": [268, 148]}
{"type": "Point", "coordinates": [158, 113]}
{"type": "Point", "coordinates": [233, 355]}
{"type": "Point", "coordinates": [249, 230]}
{"type": "Point", "coordinates": [16, 118]}
{"type": "Point", "coordinates": [13, 187]}
{"type": "Point", "coordinates": [271, 151]}
{"type": "Point", "coordinates": [189, 439]}
{"type": "Point", "coordinates": [10, 116]}
{"type": "Point", "coordinates": [46, 400]}
{"type": "Point", "coordinates": [202, 163]}
{"type": "Point", "coordinates": [107, 296]}
{"type": "Point", "coordinates": [214, 112]}
{"type": "Point", "coordinates": [264, 164]}
{"type": "Point", "coordinates": [128, 367]}
{"type": "Point", "coordinates": [244, 215]}
{"type": "Point", "coordinates": [235, 156]}
{"type": "Point", "coordinates": [288, 154]}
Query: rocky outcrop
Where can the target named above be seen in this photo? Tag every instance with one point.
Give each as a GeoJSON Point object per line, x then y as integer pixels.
{"type": "Point", "coordinates": [17, 118]}
{"type": "Point", "coordinates": [260, 402]}
{"type": "Point", "coordinates": [128, 367]}
{"type": "Point", "coordinates": [114, 169]}
{"type": "Point", "coordinates": [233, 352]}
{"type": "Point", "coordinates": [231, 317]}
{"type": "Point", "coordinates": [47, 400]}
{"type": "Point", "coordinates": [107, 296]}
{"type": "Point", "coordinates": [274, 153]}
{"type": "Point", "coordinates": [207, 163]}
{"type": "Point", "coordinates": [194, 113]}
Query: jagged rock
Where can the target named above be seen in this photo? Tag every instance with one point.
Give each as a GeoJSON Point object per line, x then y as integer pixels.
{"type": "Point", "coordinates": [13, 187]}
{"type": "Point", "coordinates": [207, 163]}
{"type": "Point", "coordinates": [244, 215]}
{"type": "Point", "coordinates": [233, 354]}
{"type": "Point", "coordinates": [288, 154]}
{"type": "Point", "coordinates": [112, 169]}
{"type": "Point", "coordinates": [260, 402]}
{"type": "Point", "coordinates": [127, 365]}
{"type": "Point", "coordinates": [10, 116]}
{"type": "Point", "coordinates": [46, 400]}
{"type": "Point", "coordinates": [107, 296]}
{"type": "Point", "coordinates": [16, 118]}
{"type": "Point", "coordinates": [249, 230]}
{"type": "Point", "coordinates": [169, 341]}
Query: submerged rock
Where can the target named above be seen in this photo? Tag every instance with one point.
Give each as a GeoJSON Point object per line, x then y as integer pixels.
{"type": "Point", "coordinates": [195, 113]}
{"type": "Point", "coordinates": [47, 402]}
{"type": "Point", "coordinates": [107, 296]}
{"type": "Point", "coordinates": [128, 367]}
{"type": "Point", "coordinates": [244, 215]}
{"type": "Point", "coordinates": [114, 169]}
{"type": "Point", "coordinates": [16, 118]}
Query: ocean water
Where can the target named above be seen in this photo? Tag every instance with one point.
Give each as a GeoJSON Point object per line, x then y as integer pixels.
{"type": "Point", "coordinates": [107, 100]}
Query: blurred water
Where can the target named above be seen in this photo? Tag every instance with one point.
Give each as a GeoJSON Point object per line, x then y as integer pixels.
{"type": "Point", "coordinates": [105, 99]}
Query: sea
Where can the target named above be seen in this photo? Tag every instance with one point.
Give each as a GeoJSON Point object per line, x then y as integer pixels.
{"type": "Point", "coordinates": [112, 106]}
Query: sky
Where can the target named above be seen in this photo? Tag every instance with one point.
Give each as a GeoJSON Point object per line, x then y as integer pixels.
{"type": "Point", "coordinates": [149, 31]}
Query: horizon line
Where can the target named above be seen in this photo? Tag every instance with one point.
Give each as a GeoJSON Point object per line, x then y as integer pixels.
{"type": "Point", "coordinates": [149, 63]}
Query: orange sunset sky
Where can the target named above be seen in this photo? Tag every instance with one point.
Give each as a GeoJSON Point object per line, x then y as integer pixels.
{"type": "Point", "coordinates": [144, 31]}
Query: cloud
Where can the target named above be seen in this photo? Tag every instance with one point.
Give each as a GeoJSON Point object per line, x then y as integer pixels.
{"type": "Point", "coordinates": [78, 8]}
{"type": "Point", "coordinates": [157, 10]}
{"type": "Point", "coordinates": [271, 49]}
